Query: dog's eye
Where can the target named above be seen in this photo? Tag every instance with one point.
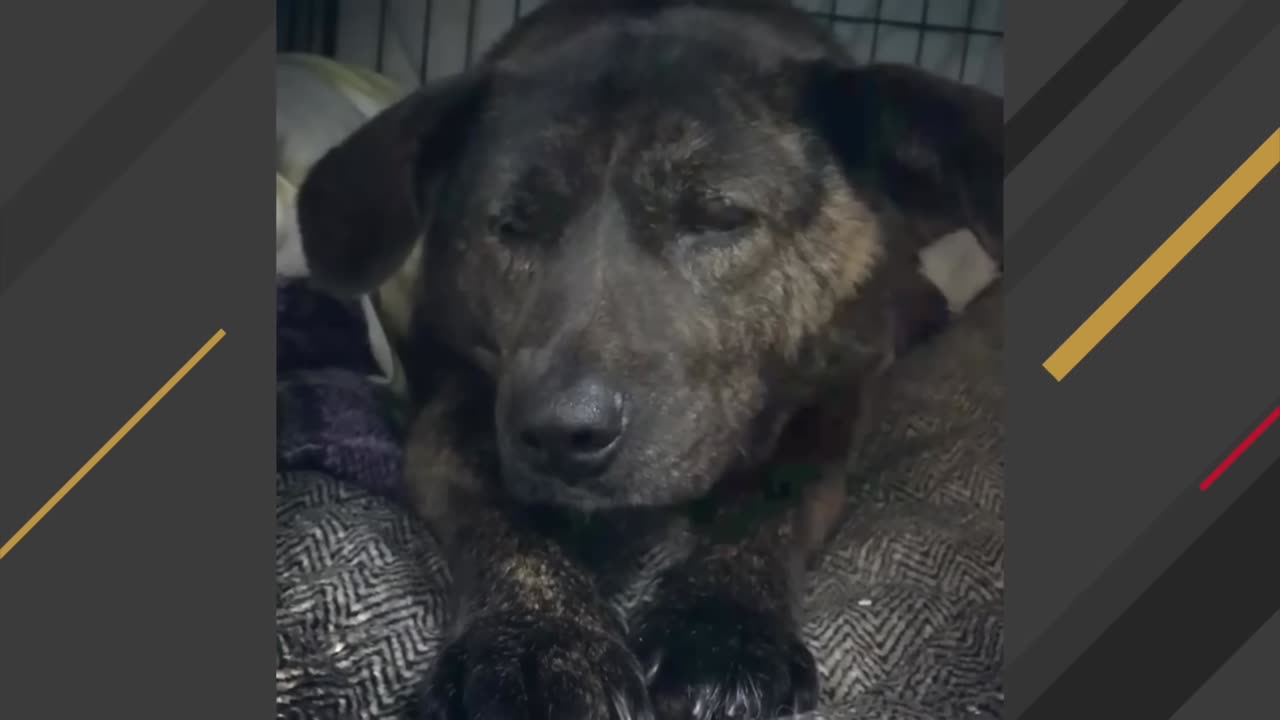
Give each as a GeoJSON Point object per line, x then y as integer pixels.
{"type": "Point", "coordinates": [718, 215]}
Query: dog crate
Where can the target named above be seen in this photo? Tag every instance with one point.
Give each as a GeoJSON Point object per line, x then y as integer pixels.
{"type": "Point", "coordinates": [412, 41]}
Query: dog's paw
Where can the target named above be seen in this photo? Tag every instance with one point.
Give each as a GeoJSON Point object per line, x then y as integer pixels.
{"type": "Point", "coordinates": [525, 667]}
{"type": "Point", "coordinates": [716, 659]}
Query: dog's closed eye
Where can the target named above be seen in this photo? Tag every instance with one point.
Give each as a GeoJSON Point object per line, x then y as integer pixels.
{"type": "Point", "coordinates": [512, 223]}
{"type": "Point", "coordinates": [716, 214]}
{"type": "Point", "coordinates": [508, 226]}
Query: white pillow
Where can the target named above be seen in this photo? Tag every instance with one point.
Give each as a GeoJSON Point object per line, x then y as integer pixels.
{"type": "Point", "coordinates": [319, 102]}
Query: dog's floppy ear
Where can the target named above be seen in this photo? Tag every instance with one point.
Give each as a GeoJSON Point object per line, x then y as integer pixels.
{"type": "Point", "coordinates": [931, 146]}
{"type": "Point", "coordinates": [364, 204]}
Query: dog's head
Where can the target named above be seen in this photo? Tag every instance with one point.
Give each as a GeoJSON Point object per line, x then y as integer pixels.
{"type": "Point", "coordinates": [641, 236]}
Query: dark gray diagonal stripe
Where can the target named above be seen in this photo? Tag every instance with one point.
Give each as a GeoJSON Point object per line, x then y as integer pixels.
{"type": "Point", "coordinates": [1029, 671]}
{"type": "Point", "coordinates": [1138, 135]}
{"type": "Point", "coordinates": [1187, 624]}
{"type": "Point", "coordinates": [1245, 686]}
{"type": "Point", "coordinates": [1079, 75]}
{"type": "Point", "coordinates": [122, 129]}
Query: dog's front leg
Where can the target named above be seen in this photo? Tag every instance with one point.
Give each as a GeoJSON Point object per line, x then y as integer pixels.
{"type": "Point", "coordinates": [720, 639]}
{"type": "Point", "coordinates": [532, 638]}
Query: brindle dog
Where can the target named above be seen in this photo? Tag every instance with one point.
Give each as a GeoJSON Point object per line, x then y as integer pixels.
{"type": "Point", "coordinates": [644, 263]}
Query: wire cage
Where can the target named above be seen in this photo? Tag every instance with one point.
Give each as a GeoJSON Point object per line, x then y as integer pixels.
{"type": "Point", "coordinates": [413, 41]}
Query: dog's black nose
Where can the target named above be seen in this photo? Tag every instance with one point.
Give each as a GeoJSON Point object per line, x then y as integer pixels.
{"type": "Point", "coordinates": [573, 433]}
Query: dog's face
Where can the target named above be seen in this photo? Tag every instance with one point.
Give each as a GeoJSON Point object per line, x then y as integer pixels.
{"type": "Point", "coordinates": [639, 254]}
{"type": "Point", "coordinates": [640, 250]}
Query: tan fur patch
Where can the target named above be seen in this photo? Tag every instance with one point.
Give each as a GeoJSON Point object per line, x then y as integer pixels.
{"type": "Point", "coordinates": [842, 249]}
{"type": "Point", "coordinates": [434, 469]}
{"type": "Point", "coordinates": [859, 234]}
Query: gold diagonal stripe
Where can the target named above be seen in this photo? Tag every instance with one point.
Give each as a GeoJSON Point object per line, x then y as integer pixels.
{"type": "Point", "coordinates": [106, 448]}
{"type": "Point", "coordinates": [1165, 258]}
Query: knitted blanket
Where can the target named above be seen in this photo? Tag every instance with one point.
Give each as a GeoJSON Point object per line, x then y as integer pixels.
{"type": "Point", "coordinates": [904, 614]}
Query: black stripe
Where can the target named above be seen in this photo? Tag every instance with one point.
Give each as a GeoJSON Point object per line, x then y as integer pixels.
{"type": "Point", "coordinates": [968, 35]}
{"type": "Point", "coordinates": [426, 41]}
{"type": "Point", "coordinates": [1080, 75]}
{"type": "Point", "coordinates": [875, 30]}
{"type": "Point", "coordinates": [125, 126]}
{"type": "Point", "coordinates": [924, 19]}
{"type": "Point", "coordinates": [1138, 135]}
{"type": "Point", "coordinates": [382, 35]}
{"type": "Point", "coordinates": [471, 33]}
{"type": "Point", "coordinates": [1184, 627]}
{"type": "Point", "coordinates": [329, 33]}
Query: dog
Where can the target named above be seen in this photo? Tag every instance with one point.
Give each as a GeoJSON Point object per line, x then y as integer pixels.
{"type": "Point", "coordinates": [645, 263]}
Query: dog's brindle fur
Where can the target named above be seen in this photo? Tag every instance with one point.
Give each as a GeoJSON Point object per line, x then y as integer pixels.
{"type": "Point", "coordinates": [708, 204]}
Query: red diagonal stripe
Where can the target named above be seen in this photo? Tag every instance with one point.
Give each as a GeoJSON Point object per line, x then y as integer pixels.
{"type": "Point", "coordinates": [1235, 454]}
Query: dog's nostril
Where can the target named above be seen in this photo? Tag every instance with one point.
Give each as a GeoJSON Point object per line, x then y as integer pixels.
{"type": "Point", "coordinates": [588, 440]}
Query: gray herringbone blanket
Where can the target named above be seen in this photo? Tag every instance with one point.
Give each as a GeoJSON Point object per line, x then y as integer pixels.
{"type": "Point", "coordinates": [904, 614]}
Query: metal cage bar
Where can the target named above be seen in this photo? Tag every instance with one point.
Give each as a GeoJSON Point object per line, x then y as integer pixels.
{"type": "Point", "coordinates": [314, 26]}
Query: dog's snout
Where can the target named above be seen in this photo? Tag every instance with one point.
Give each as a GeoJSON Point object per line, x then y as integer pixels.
{"type": "Point", "coordinates": [573, 432]}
